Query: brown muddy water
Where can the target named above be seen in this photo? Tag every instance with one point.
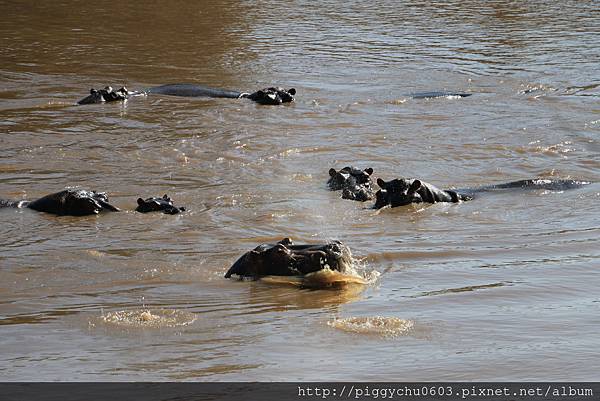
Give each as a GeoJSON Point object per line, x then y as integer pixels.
{"type": "Point", "coordinates": [504, 287]}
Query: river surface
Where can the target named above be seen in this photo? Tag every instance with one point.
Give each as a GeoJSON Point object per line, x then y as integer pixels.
{"type": "Point", "coordinates": [504, 287]}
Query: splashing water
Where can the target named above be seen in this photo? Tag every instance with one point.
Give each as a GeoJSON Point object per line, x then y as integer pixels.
{"type": "Point", "coordinates": [378, 325]}
{"type": "Point", "coordinates": [149, 318]}
{"type": "Point", "coordinates": [355, 273]}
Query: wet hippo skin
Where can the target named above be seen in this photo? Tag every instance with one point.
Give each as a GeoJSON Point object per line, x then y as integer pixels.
{"type": "Point", "coordinates": [355, 184]}
{"type": "Point", "coordinates": [80, 202]}
{"type": "Point", "coordinates": [287, 259]}
{"type": "Point", "coordinates": [402, 191]}
{"type": "Point", "coordinates": [436, 94]}
{"type": "Point", "coordinates": [70, 202]}
{"type": "Point", "coordinates": [266, 96]}
{"type": "Point", "coordinates": [158, 204]}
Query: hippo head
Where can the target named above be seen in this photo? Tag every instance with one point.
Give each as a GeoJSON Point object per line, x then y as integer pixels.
{"type": "Point", "coordinates": [286, 259]}
{"type": "Point", "coordinates": [272, 96]}
{"type": "Point", "coordinates": [333, 255]}
{"type": "Point", "coordinates": [264, 260]}
{"type": "Point", "coordinates": [354, 183]}
{"type": "Point", "coordinates": [397, 192]}
{"type": "Point", "coordinates": [107, 94]}
{"type": "Point", "coordinates": [81, 202]}
{"type": "Point", "coordinates": [164, 204]}
{"type": "Point", "coordinates": [348, 176]}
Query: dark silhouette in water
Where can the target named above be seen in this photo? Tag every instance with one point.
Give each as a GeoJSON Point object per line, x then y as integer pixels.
{"type": "Point", "coordinates": [70, 202]}
{"type": "Point", "coordinates": [400, 192]}
{"type": "Point", "coordinates": [267, 96]}
{"type": "Point", "coordinates": [433, 95]}
{"type": "Point", "coordinates": [164, 204]}
{"type": "Point", "coordinates": [80, 202]}
{"type": "Point", "coordinates": [355, 184]}
{"type": "Point", "coordinates": [286, 259]}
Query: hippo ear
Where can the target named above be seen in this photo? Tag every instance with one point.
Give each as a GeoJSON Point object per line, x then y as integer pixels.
{"type": "Point", "coordinates": [286, 241]}
{"type": "Point", "coordinates": [165, 197]}
{"type": "Point", "coordinates": [332, 172]}
{"type": "Point", "coordinates": [369, 171]}
{"type": "Point", "coordinates": [381, 183]}
{"type": "Point", "coordinates": [414, 187]}
{"type": "Point", "coordinates": [292, 91]}
{"type": "Point", "coordinates": [140, 201]}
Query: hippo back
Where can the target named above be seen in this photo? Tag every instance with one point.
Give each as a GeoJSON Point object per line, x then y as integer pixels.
{"type": "Point", "coordinates": [73, 203]}
{"type": "Point", "coordinates": [433, 95]}
{"type": "Point", "coordinates": [535, 183]}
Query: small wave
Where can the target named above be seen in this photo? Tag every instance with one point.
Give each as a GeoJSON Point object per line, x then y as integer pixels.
{"type": "Point", "coordinates": [577, 90]}
{"type": "Point", "coordinates": [398, 101]}
{"type": "Point", "coordinates": [149, 318]}
{"type": "Point", "coordinates": [536, 90]}
{"type": "Point", "coordinates": [377, 325]}
{"type": "Point", "coordinates": [561, 149]}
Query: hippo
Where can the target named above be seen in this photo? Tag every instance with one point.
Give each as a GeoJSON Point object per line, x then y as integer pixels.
{"type": "Point", "coordinates": [433, 95]}
{"type": "Point", "coordinates": [156, 204]}
{"type": "Point", "coordinates": [287, 259]}
{"type": "Point", "coordinates": [266, 96]}
{"type": "Point", "coordinates": [70, 202]}
{"type": "Point", "coordinates": [107, 94]}
{"type": "Point", "coordinates": [400, 192]}
{"type": "Point", "coordinates": [81, 202]}
{"type": "Point", "coordinates": [355, 184]}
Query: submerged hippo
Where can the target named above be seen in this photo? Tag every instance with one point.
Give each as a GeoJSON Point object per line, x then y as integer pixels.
{"type": "Point", "coordinates": [164, 204]}
{"type": "Point", "coordinates": [70, 202]}
{"type": "Point", "coordinates": [432, 95]}
{"type": "Point", "coordinates": [400, 192]}
{"type": "Point", "coordinates": [355, 184]}
{"type": "Point", "coordinates": [107, 95]}
{"type": "Point", "coordinates": [267, 96]}
{"type": "Point", "coordinates": [80, 202]}
{"type": "Point", "coordinates": [286, 259]}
